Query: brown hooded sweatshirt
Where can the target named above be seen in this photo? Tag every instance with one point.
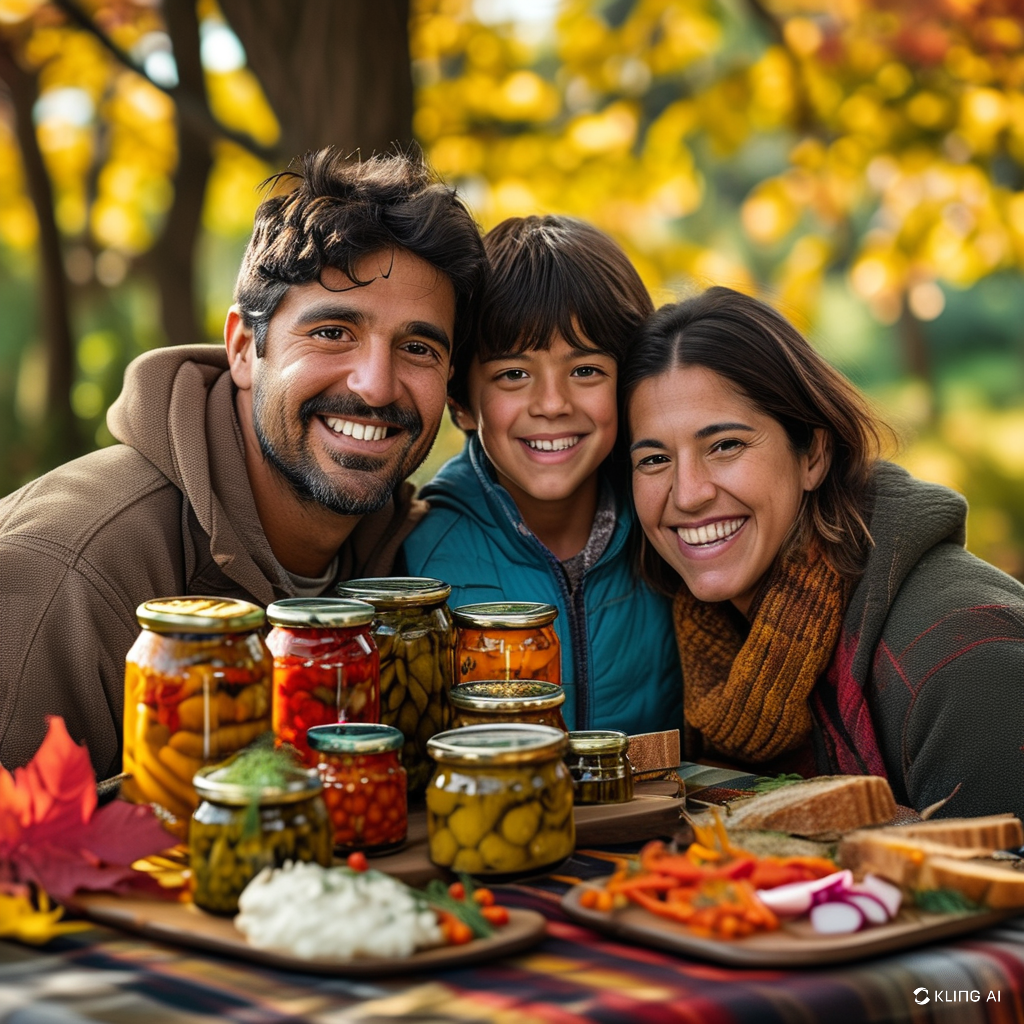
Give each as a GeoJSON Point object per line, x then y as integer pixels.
{"type": "Point", "coordinates": [169, 511]}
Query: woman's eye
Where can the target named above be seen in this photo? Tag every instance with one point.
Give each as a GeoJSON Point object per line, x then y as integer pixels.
{"type": "Point", "coordinates": [651, 460]}
{"type": "Point", "coordinates": [728, 444]}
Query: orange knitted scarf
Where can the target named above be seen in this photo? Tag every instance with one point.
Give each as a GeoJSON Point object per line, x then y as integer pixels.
{"type": "Point", "coordinates": [748, 698]}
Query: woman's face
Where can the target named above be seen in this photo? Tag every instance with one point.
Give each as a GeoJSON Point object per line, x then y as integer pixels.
{"type": "Point", "coordinates": [716, 484]}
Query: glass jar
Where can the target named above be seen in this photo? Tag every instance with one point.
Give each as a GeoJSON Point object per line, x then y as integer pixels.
{"type": "Point", "coordinates": [239, 830]}
{"type": "Point", "coordinates": [500, 801]}
{"type": "Point", "coordinates": [601, 772]}
{"type": "Point", "coordinates": [196, 689]}
{"type": "Point", "coordinates": [507, 640]}
{"type": "Point", "coordinates": [493, 701]}
{"type": "Point", "coordinates": [414, 633]}
{"type": "Point", "coordinates": [326, 667]}
{"type": "Point", "coordinates": [364, 784]}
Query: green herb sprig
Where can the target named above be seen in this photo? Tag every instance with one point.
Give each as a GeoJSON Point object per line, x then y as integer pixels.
{"type": "Point", "coordinates": [773, 782]}
{"type": "Point", "coordinates": [944, 901]}
{"type": "Point", "coordinates": [437, 896]}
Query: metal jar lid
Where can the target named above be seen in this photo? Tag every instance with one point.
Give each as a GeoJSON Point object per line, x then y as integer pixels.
{"type": "Point", "coordinates": [199, 615]}
{"type": "Point", "coordinates": [506, 695]}
{"type": "Point", "coordinates": [598, 741]}
{"type": "Point", "coordinates": [504, 615]}
{"type": "Point", "coordinates": [385, 592]}
{"type": "Point", "coordinates": [301, 785]}
{"type": "Point", "coordinates": [487, 745]}
{"type": "Point", "coordinates": [319, 613]}
{"type": "Point", "coordinates": [354, 738]}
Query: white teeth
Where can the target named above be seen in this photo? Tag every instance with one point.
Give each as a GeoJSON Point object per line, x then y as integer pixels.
{"type": "Point", "coordinates": [711, 533]}
{"type": "Point", "coordinates": [358, 431]}
{"type": "Point", "coordinates": [558, 445]}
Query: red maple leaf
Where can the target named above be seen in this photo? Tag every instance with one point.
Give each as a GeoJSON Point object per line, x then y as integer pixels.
{"type": "Point", "coordinates": [53, 834]}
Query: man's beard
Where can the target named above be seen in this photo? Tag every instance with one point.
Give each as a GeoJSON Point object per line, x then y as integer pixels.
{"type": "Point", "coordinates": [297, 464]}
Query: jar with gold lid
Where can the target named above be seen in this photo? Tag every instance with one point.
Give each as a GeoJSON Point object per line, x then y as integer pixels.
{"type": "Point", "coordinates": [600, 769]}
{"type": "Point", "coordinates": [240, 829]}
{"type": "Point", "coordinates": [507, 640]}
{"type": "Point", "coordinates": [500, 801]}
{"type": "Point", "coordinates": [326, 667]}
{"type": "Point", "coordinates": [413, 630]}
{"type": "Point", "coordinates": [494, 701]}
{"type": "Point", "coordinates": [197, 688]}
{"type": "Point", "coordinates": [365, 785]}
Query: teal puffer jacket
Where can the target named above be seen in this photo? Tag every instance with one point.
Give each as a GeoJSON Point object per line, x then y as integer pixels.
{"type": "Point", "coordinates": [620, 668]}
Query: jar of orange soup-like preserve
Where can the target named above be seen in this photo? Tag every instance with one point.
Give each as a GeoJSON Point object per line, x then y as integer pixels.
{"type": "Point", "coordinates": [365, 785]}
{"type": "Point", "coordinates": [507, 640]}
{"type": "Point", "coordinates": [326, 667]}
{"type": "Point", "coordinates": [196, 689]}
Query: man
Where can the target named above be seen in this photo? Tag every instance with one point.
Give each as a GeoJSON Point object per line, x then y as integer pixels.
{"type": "Point", "coordinates": [269, 468]}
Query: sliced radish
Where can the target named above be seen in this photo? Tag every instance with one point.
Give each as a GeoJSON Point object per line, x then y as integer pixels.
{"type": "Point", "coordinates": [797, 898]}
{"type": "Point", "coordinates": [870, 906]}
{"type": "Point", "coordinates": [836, 918]}
{"type": "Point", "coordinates": [888, 893]}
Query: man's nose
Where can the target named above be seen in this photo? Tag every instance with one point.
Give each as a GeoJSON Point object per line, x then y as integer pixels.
{"type": "Point", "coordinates": [373, 375]}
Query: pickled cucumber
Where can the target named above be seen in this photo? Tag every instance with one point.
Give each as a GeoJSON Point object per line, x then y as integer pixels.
{"type": "Point", "coordinates": [501, 820]}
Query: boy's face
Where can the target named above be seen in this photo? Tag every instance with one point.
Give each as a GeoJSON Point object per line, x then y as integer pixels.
{"type": "Point", "coordinates": [547, 419]}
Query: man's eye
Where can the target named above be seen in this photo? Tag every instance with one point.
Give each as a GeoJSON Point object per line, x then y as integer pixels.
{"type": "Point", "coordinates": [419, 348]}
{"type": "Point", "coordinates": [332, 333]}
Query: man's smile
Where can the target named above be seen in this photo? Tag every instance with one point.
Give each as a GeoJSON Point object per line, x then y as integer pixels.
{"type": "Point", "coordinates": [357, 430]}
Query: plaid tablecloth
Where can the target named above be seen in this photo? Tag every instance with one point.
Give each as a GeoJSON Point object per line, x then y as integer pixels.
{"type": "Point", "coordinates": [575, 975]}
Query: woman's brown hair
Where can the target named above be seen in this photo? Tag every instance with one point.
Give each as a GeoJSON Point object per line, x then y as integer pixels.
{"type": "Point", "coordinates": [766, 359]}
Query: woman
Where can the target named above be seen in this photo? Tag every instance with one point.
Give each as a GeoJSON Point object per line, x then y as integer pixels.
{"type": "Point", "coordinates": [828, 617]}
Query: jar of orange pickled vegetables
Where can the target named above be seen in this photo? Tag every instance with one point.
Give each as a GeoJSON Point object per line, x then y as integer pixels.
{"type": "Point", "coordinates": [495, 701]}
{"type": "Point", "coordinates": [364, 784]}
{"type": "Point", "coordinates": [507, 640]}
{"type": "Point", "coordinates": [326, 666]}
{"type": "Point", "coordinates": [196, 689]}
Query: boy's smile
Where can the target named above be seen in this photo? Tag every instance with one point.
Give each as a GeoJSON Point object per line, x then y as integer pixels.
{"type": "Point", "coordinates": [546, 418]}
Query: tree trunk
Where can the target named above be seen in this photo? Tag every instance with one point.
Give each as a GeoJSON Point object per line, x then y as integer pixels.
{"type": "Point", "coordinates": [60, 439]}
{"type": "Point", "coordinates": [173, 256]}
{"type": "Point", "coordinates": [334, 72]}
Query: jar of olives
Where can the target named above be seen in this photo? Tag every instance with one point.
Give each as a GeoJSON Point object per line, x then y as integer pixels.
{"type": "Point", "coordinates": [196, 689]}
{"type": "Point", "coordinates": [490, 701]}
{"type": "Point", "coordinates": [364, 784]}
{"type": "Point", "coordinates": [326, 666]}
{"type": "Point", "coordinates": [413, 630]}
{"type": "Point", "coordinates": [238, 830]}
{"type": "Point", "coordinates": [507, 640]}
{"type": "Point", "coordinates": [500, 801]}
{"type": "Point", "coordinates": [601, 772]}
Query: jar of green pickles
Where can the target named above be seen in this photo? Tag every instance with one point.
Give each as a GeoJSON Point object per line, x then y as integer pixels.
{"type": "Point", "coordinates": [413, 630]}
{"type": "Point", "coordinates": [601, 772]}
{"type": "Point", "coordinates": [494, 701]}
{"type": "Point", "coordinates": [507, 640]}
{"type": "Point", "coordinates": [500, 801]}
{"type": "Point", "coordinates": [239, 829]}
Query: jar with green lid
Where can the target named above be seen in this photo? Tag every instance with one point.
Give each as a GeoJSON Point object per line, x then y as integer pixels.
{"type": "Point", "coordinates": [507, 640]}
{"type": "Point", "coordinates": [494, 701]}
{"type": "Point", "coordinates": [601, 772]}
{"type": "Point", "coordinates": [365, 785]}
{"type": "Point", "coordinates": [500, 801]}
{"type": "Point", "coordinates": [326, 666]}
{"type": "Point", "coordinates": [238, 830]}
{"type": "Point", "coordinates": [413, 630]}
{"type": "Point", "coordinates": [196, 689]}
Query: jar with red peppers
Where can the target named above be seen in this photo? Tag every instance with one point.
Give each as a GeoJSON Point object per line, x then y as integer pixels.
{"type": "Point", "coordinates": [326, 667]}
{"type": "Point", "coordinates": [364, 784]}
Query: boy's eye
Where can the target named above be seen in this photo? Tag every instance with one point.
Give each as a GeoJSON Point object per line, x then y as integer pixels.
{"type": "Point", "coordinates": [513, 373]}
{"type": "Point", "coordinates": [586, 371]}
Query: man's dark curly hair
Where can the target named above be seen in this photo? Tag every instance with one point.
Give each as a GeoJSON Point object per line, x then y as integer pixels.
{"type": "Point", "coordinates": [342, 210]}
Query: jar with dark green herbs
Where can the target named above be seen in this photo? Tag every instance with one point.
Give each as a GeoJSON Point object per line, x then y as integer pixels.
{"type": "Point", "coordinates": [252, 816]}
{"type": "Point", "coordinates": [600, 770]}
{"type": "Point", "coordinates": [414, 633]}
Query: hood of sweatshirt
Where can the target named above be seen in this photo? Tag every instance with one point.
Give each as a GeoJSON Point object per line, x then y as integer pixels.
{"type": "Point", "coordinates": [177, 409]}
{"type": "Point", "coordinates": [909, 517]}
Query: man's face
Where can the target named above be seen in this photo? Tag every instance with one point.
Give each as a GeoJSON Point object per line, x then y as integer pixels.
{"type": "Point", "coordinates": [349, 394]}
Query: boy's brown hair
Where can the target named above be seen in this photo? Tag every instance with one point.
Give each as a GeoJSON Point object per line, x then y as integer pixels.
{"type": "Point", "coordinates": [552, 274]}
